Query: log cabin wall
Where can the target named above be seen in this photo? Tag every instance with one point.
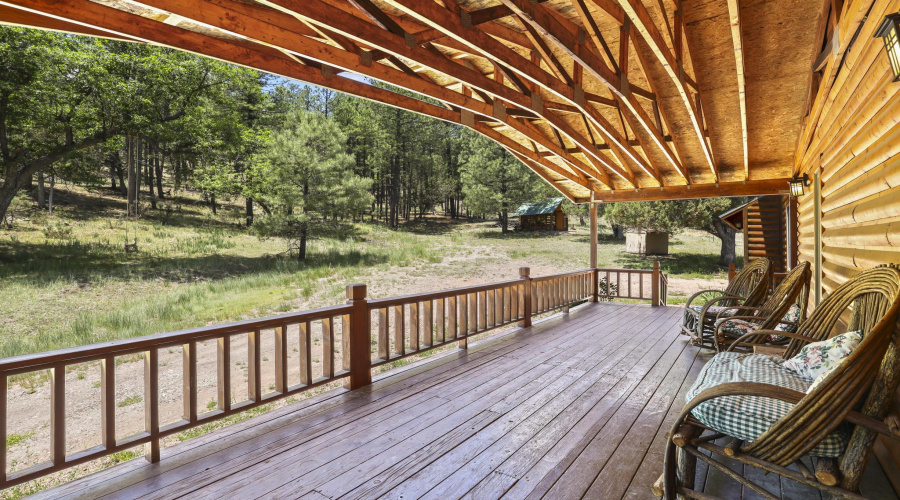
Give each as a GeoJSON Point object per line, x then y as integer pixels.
{"type": "Point", "coordinates": [851, 144]}
{"type": "Point", "coordinates": [764, 235]}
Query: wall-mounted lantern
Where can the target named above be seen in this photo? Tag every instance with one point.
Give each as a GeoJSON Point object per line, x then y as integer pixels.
{"type": "Point", "coordinates": [889, 31]}
{"type": "Point", "coordinates": [798, 183]}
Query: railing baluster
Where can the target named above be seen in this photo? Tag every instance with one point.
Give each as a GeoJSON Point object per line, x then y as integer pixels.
{"type": "Point", "coordinates": [480, 314]}
{"type": "Point", "coordinates": [108, 401]}
{"type": "Point", "coordinates": [189, 380]}
{"type": "Point", "coordinates": [305, 353]}
{"type": "Point", "coordinates": [473, 313]}
{"type": "Point", "coordinates": [414, 327]}
{"type": "Point", "coordinates": [58, 414]}
{"type": "Point", "coordinates": [281, 370]}
{"type": "Point", "coordinates": [328, 347]}
{"type": "Point", "coordinates": [451, 317]}
{"type": "Point", "coordinates": [399, 331]}
{"type": "Point", "coordinates": [439, 320]}
{"type": "Point", "coordinates": [151, 404]}
{"type": "Point", "coordinates": [223, 350]}
{"type": "Point", "coordinates": [254, 357]}
{"type": "Point", "coordinates": [629, 285]}
{"type": "Point", "coordinates": [490, 296]}
{"type": "Point", "coordinates": [428, 324]}
{"type": "Point", "coordinates": [463, 330]}
{"type": "Point", "coordinates": [384, 347]}
{"type": "Point", "coordinates": [3, 415]}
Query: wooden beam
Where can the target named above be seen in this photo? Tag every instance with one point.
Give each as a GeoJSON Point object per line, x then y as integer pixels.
{"type": "Point", "coordinates": [737, 39]}
{"type": "Point", "coordinates": [642, 21]}
{"type": "Point", "coordinates": [564, 36]}
{"type": "Point", "coordinates": [17, 17]}
{"type": "Point", "coordinates": [722, 189]}
{"type": "Point", "coordinates": [660, 113]}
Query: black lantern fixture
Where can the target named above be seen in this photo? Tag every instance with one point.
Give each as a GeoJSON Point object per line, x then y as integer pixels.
{"type": "Point", "coordinates": [889, 31]}
{"type": "Point", "coordinates": [798, 183]}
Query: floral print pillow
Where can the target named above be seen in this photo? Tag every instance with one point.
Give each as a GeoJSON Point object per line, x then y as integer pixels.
{"type": "Point", "coordinates": [820, 357]}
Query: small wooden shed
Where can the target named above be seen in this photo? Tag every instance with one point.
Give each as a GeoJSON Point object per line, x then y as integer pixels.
{"type": "Point", "coordinates": [546, 215]}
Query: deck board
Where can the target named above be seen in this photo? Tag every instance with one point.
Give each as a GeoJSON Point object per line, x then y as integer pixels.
{"type": "Point", "coordinates": [577, 406]}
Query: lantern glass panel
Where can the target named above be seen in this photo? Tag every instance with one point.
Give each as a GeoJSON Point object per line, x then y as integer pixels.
{"type": "Point", "coordinates": [892, 46]}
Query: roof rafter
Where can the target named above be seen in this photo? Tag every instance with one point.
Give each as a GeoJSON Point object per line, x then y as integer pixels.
{"type": "Point", "coordinates": [639, 16]}
{"type": "Point", "coordinates": [322, 13]}
{"type": "Point", "coordinates": [564, 37]}
{"type": "Point", "coordinates": [737, 39]}
{"type": "Point", "coordinates": [441, 18]}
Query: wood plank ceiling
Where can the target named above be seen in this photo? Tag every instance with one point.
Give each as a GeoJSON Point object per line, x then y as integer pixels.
{"type": "Point", "coordinates": [619, 99]}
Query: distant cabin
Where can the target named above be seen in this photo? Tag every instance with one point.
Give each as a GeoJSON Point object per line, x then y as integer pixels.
{"type": "Point", "coordinates": [545, 215]}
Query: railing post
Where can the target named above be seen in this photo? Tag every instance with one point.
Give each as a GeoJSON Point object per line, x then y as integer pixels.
{"type": "Point", "coordinates": [595, 285]}
{"type": "Point", "coordinates": [655, 282]}
{"type": "Point", "coordinates": [357, 347]}
{"type": "Point", "coordinates": [524, 273]}
{"type": "Point", "coordinates": [731, 272]}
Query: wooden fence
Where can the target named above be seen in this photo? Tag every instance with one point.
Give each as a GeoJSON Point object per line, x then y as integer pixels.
{"type": "Point", "coordinates": [367, 333]}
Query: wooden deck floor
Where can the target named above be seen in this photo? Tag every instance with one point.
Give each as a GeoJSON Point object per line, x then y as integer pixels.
{"type": "Point", "coordinates": [574, 407]}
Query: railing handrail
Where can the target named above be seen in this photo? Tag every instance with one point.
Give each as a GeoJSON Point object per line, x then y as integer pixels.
{"type": "Point", "coordinates": [100, 350]}
{"type": "Point", "coordinates": [419, 297]}
{"type": "Point", "coordinates": [562, 275]}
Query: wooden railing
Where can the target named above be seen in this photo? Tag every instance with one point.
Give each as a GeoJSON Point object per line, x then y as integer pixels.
{"type": "Point", "coordinates": [633, 284]}
{"type": "Point", "coordinates": [366, 333]}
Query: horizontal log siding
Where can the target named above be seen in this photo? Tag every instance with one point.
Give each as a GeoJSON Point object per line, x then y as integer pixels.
{"type": "Point", "coordinates": [855, 147]}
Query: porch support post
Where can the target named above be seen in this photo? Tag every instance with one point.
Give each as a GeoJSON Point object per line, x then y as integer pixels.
{"type": "Point", "coordinates": [525, 275]}
{"type": "Point", "coordinates": [594, 276]}
{"type": "Point", "coordinates": [817, 200]}
{"type": "Point", "coordinates": [654, 286]}
{"type": "Point", "coordinates": [357, 353]}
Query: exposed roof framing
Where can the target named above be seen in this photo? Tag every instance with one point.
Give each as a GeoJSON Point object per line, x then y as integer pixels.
{"type": "Point", "coordinates": [598, 97]}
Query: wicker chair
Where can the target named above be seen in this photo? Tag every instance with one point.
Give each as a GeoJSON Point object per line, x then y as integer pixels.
{"type": "Point", "coordinates": [793, 290]}
{"type": "Point", "coordinates": [748, 288]}
{"type": "Point", "coordinates": [856, 395]}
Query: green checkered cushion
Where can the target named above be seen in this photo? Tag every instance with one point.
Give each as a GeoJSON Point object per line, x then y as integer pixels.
{"type": "Point", "coordinates": [739, 327]}
{"type": "Point", "coordinates": [747, 417]}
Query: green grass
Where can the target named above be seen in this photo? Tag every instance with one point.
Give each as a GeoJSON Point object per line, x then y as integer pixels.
{"type": "Point", "coordinates": [130, 400]}
{"type": "Point", "coordinates": [14, 439]}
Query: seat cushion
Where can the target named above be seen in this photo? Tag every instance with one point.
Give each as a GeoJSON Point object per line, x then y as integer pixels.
{"type": "Point", "coordinates": [737, 327]}
{"type": "Point", "coordinates": [748, 417]}
{"type": "Point", "coordinates": [713, 310]}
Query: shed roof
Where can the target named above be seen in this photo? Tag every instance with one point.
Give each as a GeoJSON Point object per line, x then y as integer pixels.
{"type": "Point", "coordinates": [735, 217]}
{"type": "Point", "coordinates": [539, 207]}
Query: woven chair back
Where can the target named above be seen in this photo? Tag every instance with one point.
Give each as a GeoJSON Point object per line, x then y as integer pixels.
{"type": "Point", "coordinates": [872, 371]}
{"type": "Point", "coordinates": [751, 283]}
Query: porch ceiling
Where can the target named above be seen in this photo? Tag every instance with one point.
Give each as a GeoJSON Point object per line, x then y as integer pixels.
{"type": "Point", "coordinates": [625, 99]}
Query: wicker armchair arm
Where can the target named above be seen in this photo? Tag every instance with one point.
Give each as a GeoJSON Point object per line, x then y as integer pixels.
{"type": "Point", "coordinates": [764, 312]}
{"type": "Point", "coordinates": [690, 300]}
{"type": "Point", "coordinates": [743, 339]}
{"type": "Point", "coordinates": [713, 302]}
